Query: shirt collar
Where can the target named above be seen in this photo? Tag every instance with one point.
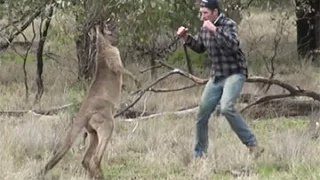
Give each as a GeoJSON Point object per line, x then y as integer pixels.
{"type": "Point", "coordinates": [221, 15]}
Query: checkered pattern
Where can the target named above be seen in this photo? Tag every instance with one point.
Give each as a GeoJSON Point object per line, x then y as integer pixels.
{"type": "Point", "coordinates": [222, 47]}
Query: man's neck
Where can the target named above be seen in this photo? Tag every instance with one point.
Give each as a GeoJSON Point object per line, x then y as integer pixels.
{"type": "Point", "coordinates": [217, 19]}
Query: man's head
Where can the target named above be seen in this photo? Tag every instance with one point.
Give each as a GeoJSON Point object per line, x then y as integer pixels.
{"type": "Point", "coordinates": [209, 10]}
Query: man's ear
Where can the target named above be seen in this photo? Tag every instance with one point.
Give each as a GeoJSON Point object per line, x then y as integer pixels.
{"type": "Point", "coordinates": [216, 11]}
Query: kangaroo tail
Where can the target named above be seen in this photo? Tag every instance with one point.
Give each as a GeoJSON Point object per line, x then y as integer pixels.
{"type": "Point", "coordinates": [73, 134]}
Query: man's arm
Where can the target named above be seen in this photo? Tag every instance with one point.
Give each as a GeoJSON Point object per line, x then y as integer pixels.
{"type": "Point", "coordinates": [227, 35]}
{"type": "Point", "coordinates": [195, 44]}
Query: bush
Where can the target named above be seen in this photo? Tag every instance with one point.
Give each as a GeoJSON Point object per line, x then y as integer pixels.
{"type": "Point", "coordinates": [178, 58]}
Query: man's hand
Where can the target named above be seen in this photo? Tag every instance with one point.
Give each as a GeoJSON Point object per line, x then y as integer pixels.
{"type": "Point", "coordinates": [209, 26]}
{"type": "Point", "coordinates": [183, 33]}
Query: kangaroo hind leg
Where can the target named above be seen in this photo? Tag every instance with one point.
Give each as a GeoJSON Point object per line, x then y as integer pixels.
{"type": "Point", "coordinates": [93, 142]}
{"type": "Point", "coordinates": [103, 125]}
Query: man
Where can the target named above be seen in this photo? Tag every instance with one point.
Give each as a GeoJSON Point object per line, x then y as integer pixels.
{"type": "Point", "coordinates": [219, 37]}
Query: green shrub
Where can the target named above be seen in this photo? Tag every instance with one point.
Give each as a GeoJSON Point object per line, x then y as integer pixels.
{"type": "Point", "coordinates": [178, 58]}
{"type": "Point", "coordinates": [13, 57]}
{"type": "Point", "coordinates": [75, 96]}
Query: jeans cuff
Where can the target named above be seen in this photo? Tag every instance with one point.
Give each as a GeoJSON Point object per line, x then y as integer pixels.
{"type": "Point", "coordinates": [251, 143]}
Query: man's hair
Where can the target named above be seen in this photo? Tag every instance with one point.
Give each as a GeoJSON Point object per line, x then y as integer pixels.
{"type": "Point", "coordinates": [210, 4]}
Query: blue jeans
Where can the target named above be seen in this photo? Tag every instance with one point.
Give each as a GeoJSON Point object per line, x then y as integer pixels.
{"type": "Point", "coordinates": [225, 90]}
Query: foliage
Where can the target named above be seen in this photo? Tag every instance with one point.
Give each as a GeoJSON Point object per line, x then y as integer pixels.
{"type": "Point", "coordinates": [142, 22]}
{"type": "Point", "coordinates": [270, 4]}
{"type": "Point", "coordinates": [197, 60]}
{"type": "Point", "coordinates": [75, 97]}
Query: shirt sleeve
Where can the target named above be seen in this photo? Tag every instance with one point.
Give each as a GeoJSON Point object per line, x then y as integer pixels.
{"type": "Point", "coordinates": [196, 44]}
{"type": "Point", "coordinates": [227, 36]}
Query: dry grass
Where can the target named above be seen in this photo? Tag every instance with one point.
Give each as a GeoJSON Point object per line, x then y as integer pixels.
{"type": "Point", "coordinates": [160, 148]}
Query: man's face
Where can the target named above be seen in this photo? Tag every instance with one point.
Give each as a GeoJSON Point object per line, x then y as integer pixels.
{"type": "Point", "coordinates": [208, 14]}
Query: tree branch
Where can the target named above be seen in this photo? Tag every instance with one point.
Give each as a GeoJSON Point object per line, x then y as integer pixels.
{"type": "Point", "coordinates": [49, 111]}
{"type": "Point", "coordinates": [5, 45]}
{"type": "Point", "coordinates": [293, 91]}
{"type": "Point", "coordinates": [172, 90]}
{"type": "Point", "coordinates": [141, 92]}
{"type": "Point", "coordinates": [182, 112]}
{"type": "Point", "coordinates": [195, 79]}
{"type": "Point", "coordinates": [265, 99]}
{"type": "Point", "coordinates": [150, 68]}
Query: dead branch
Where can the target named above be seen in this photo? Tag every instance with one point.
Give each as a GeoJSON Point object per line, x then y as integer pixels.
{"type": "Point", "coordinates": [54, 110]}
{"type": "Point", "coordinates": [150, 68]}
{"type": "Point", "coordinates": [265, 99]}
{"type": "Point", "coordinates": [143, 91]}
{"type": "Point", "coordinates": [142, 114]}
{"type": "Point", "coordinates": [195, 79]}
{"type": "Point", "coordinates": [49, 111]}
{"type": "Point", "coordinates": [182, 112]}
{"type": "Point", "coordinates": [172, 90]}
{"type": "Point", "coordinates": [293, 91]}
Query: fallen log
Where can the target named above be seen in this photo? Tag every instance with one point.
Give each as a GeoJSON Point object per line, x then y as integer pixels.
{"type": "Point", "coordinates": [46, 112]}
{"type": "Point", "coordinates": [284, 104]}
{"type": "Point", "coordinates": [287, 107]}
{"type": "Point", "coordinates": [182, 112]}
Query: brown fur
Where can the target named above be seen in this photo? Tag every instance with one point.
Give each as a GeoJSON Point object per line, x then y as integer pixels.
{"type": "Point", "coordinates": [97, 110]}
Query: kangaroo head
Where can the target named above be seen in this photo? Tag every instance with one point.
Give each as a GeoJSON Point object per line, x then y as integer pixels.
{"type": "Point", "coordinates": [106, 33]}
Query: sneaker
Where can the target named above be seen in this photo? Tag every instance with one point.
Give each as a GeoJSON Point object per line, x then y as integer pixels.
{"type": "Point", "coordinates": [256, 151]}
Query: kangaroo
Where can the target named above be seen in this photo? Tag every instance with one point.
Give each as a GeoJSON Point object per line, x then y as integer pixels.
{"type": "Point", "coordinates": [97, 109]}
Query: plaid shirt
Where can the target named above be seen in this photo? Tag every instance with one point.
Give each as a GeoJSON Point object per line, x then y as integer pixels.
{"type": "Point", "coordinates": [222, 47]}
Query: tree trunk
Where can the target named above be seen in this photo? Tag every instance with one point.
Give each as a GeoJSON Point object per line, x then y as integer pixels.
{"type": "Point", "coordinates": [85, 54]}
{"type": "Point", "coordinates": [308, 32]}
{"type": "Point", "coordinates": [42, 40]}
{"type": "Point", "coordinates": [317, 28]}
{"type": "Point", "coordinates": [153, 72]}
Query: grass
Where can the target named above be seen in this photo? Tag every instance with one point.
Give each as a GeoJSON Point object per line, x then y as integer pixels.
{"type": "Point", "coordinates": [160, 148]}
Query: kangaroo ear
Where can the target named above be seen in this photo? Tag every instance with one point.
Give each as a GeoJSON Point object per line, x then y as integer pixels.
{"type": "Point", "coordinates": [96, 28]}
